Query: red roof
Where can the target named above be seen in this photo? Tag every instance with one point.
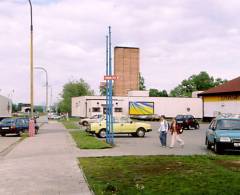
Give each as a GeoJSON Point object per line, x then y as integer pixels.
{"type": "Point", "coordinates": [228, 87]}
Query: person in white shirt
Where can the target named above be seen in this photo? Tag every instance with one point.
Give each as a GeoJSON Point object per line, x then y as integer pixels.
{"type": "Point", "coordinates": [163, 129]}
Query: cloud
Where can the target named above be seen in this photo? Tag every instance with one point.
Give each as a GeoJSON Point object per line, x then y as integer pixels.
{"type": "Point", "coordinates": [176, 39]}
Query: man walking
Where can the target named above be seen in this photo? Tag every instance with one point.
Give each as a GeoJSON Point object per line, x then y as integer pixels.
{"type": "Point", "coordinates": [163, 131]}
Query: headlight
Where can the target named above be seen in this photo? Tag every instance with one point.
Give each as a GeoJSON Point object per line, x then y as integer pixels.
{"type": "Point", "coordinates": [225, 139]}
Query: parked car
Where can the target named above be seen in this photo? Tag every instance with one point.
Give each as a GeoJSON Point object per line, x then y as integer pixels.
{"type": "Point", "coordinates": [150, 117]}
{"type": "Point", "coordinates": [223, 133]}
{"type": "Point", "coordinates": [15, 126]}
{"type": "Point", "coordinates": [123, 125]}
{"type": "Point", "coordinates": [27, 124]}
{"type": "Point", "coordinates": [93, 119]}
{"type": "Point", "coordinates": [54, 116]}
{"type": "Point", "coordinates": [187, 121]}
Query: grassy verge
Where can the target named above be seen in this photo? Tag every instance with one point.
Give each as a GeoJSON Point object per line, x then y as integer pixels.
{"type": "Point", "coordinates": [70, 123]}
{"type": "Point", "coordinates": [152, 175]}
{"type": "Point", "coordinates": [24, 136]}
{"type": "Point", "coordinates": [86, 141]}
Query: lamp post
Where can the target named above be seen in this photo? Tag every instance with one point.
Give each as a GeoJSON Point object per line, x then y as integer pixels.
{"type": "Point", "coordinates": [31, 59]}
{"type": "Point", "coordinates": [41, 68]}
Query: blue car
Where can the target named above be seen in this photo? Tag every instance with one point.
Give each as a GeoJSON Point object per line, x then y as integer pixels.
{"type": "Point", "coordinates": [15, 126]}
{"type": "Point", "coordinates": [223, 133]}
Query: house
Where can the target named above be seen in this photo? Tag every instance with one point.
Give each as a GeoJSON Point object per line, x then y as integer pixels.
{"type": "Point", "coordinates": [224, 98]}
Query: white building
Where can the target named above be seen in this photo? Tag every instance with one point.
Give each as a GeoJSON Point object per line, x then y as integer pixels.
{"type": "Point", "coordinates": [5, 107]}
{"type": "Point", "coordinates": [86, 106]}
{"type": "Point", "coordinates": [224, 98]}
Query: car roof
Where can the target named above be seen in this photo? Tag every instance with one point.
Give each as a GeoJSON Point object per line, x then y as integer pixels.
{"type": "Point", "coordinates": [228, 116]}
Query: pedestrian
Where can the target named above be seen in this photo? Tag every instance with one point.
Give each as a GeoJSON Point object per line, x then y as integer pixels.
{"type": "Point", "coordinates": [176, 130]}
{"type": "Point", "coordinates": [163, 129]}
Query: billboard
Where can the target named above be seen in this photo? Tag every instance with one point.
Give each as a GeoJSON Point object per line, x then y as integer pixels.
{"type": "Point", "coordinates": [141, 108]}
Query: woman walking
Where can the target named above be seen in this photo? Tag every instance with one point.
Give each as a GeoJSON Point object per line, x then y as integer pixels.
{"type": "Point", "coordinates": [175, 132]}
{"type": "Point", "coordinates": [163, 131]}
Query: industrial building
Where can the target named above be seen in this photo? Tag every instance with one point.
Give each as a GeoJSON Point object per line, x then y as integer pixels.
{"type": "Point", "coordinates": [137, 103]}
{"type": "Point", "coordinates": [5, 107]}
{"type": "Point", "coordinates": [126, 68]}
{"type": "Point", "coordinates": [224, 98]}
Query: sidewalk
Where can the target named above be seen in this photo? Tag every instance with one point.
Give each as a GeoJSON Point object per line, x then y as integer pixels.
{"type": "Point", "coordinates": [6, 143]}
{"type": "Point", "coordinates": [45, 164]}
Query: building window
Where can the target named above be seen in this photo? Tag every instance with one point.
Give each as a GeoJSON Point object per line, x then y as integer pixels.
{"type": "Point", "coordinates": [117, 109]}
{"type": "Point", "coordinates": [96, 109]}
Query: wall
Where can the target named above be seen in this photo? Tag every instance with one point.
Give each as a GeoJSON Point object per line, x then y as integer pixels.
{"type": "Point", "coordinates": [126, 67]}
{"type": "Point", "coordinates": [222, 104]}
{"type": "Point", "coordinates": [167, 106]}
{"type": "Point", "coordinates": [5, 107]}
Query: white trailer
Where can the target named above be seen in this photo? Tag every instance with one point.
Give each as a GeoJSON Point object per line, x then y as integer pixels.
{"type": "Point", "coordinates": [87, 106]}
{"type": "Point", "coordinates": [5, 107]}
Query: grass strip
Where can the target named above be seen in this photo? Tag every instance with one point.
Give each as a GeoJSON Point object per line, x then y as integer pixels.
{"type": "Point", "coordinates": [71, 123]}
{"type": "Point", "coordinates": [152, 175]}
{"type": "Point", "coordinates": [87, 141]}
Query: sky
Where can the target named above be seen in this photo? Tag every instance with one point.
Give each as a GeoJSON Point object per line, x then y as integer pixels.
{"type": "Point", "coordinates": [176, 39]}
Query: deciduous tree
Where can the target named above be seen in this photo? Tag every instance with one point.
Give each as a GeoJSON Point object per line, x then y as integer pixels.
{"type": "Point", "coordinates": [73, 89]}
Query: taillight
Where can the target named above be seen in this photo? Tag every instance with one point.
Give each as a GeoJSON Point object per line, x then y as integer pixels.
{"type": "Point", "coordinates": [13, 127]}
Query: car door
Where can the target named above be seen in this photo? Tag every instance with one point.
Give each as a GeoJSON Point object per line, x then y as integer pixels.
{"type": "Point", "coordinates": [122, 125]}
{"type": "Point", "coordinates": [211, 131]}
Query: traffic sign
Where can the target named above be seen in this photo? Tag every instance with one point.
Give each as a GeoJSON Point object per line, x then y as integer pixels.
{"type": "Point", "coordinates": [111, 77]}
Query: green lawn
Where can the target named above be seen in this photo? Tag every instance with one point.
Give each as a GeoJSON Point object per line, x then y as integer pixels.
{"type": "Point", "coordinates": [71, 123]}
{"type": "Point", "coordinates": [83, 139]}
{"type": "Point", "coordinates": [152, 175]}
{"type": "Point", "coordinates": [86, 141]}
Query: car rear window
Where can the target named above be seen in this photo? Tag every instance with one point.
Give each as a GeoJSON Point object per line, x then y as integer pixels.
{"type": "Point", "coordinates": [7, 121]}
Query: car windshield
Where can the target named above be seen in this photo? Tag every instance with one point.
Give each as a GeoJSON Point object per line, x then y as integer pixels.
{"type": "Point", "coordinates": [179, 117]}
{"type": "Point", "coordinates": [228, 124]}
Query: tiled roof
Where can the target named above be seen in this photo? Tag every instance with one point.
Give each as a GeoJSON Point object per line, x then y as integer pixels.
{"type": "Point", "coordinates": [228, 87]}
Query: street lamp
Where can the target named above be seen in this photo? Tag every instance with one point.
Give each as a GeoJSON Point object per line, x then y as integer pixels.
{"type": "Point", "coordinates": [31, 59]}
{"type": "Point", "coordinates": [41, 68]}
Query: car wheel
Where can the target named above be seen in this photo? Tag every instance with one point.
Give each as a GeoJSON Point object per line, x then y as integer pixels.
{"type": "Point", "coordinates": [3, 134]}
{"type": "Point", "coordinates": [141, 132]}
{"type": "Point", "coordinates": [217, 148]}
{"type": "Point", "coordinates": [84, 123]}
{"type": "Point", "coordinates": [102, 133]}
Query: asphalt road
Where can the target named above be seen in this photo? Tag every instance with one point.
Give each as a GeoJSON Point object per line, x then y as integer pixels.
{"type": "Point", "coordinates": [150, 144]}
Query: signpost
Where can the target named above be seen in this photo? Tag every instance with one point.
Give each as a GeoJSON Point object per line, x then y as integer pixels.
{"type": "Point", "coordinates": [109, 78]}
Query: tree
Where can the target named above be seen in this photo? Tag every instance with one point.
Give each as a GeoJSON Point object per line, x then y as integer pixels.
{"type": "Point", "coordinates": [103, 89]}
{"type": "Point", "coordinates": [142, 86]}
{"type": "Point", "coordinates": [158, 93]}
{"type": "Point", "coordinates": [199, 82]}
{"type": "Point", "coordinates": [73, 89]}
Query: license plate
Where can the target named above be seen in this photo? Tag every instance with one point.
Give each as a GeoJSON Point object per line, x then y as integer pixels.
{"type": "Point", "coordinates": [236, 144]}
{"type": "Point", "coordinates": [5, 127]}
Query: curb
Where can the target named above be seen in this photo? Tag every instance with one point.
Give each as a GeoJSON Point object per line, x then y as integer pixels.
{"type": "Point", "coordinates": [10, 148]}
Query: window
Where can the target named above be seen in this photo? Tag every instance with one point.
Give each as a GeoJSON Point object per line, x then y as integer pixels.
{"type": "Point", "coordinates": [96, 109]}
{"type": "Point", "coordinates": [117, 109]}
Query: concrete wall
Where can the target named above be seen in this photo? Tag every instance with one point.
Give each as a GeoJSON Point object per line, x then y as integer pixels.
{"type": "Point", "coordinates": [168, 106]}
{"type": "Point", "coordinates": [5, 107]}
{"type": "Point", "coordinates": [221, 104]}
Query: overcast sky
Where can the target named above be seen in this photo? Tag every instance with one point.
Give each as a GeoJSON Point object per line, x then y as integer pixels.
{"type": "Point", "coordinates": [177, 38]}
